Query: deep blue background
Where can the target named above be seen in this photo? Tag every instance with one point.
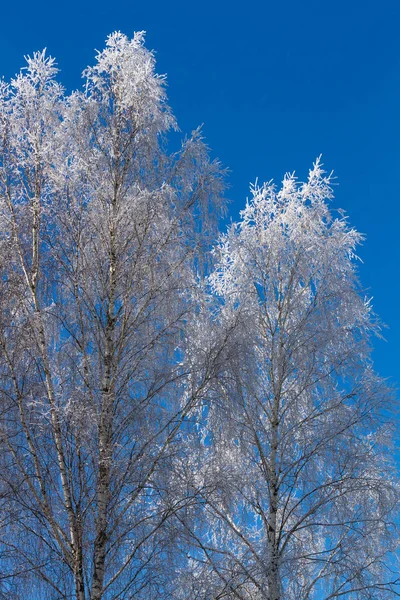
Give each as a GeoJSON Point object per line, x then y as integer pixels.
{"type": "Point", "coordinates": [275, 84]}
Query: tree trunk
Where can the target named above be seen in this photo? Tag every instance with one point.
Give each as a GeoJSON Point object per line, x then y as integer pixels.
{"type": "Point", "coordinates": [273, 551]}
{"type": "Point", "coordinates": [105, 425]}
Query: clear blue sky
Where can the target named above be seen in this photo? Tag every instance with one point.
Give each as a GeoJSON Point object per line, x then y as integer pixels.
{"type": "Point", "coordinates": [275, 84]}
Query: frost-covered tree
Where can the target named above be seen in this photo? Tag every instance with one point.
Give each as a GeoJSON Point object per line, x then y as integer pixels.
{"type": "Point", "coordinates": [102, 237]}
{"type": "Point", "coordinates": [164, 432]}
{"type": "Point", "coordinates": [299, 492]}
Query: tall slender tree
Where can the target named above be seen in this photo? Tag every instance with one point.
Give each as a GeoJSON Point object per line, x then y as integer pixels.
{"type": "Point", "coordinates": [102, 236]}
{"type": "Point", "coordinates": [300, 495]}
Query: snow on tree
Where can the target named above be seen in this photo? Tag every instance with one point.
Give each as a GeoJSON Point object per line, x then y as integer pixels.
{"type": "Point", "coordinates": [298, 488]}
{"type": "Point", "coordinates": [164, 432]}
{"type": "Point", "coordinates": [100, 248]}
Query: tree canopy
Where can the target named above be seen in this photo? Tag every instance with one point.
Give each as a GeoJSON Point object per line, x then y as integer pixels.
{"type": "Point", "coordinates": [183, 414]}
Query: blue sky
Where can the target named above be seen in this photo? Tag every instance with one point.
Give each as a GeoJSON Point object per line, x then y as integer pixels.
{"type": "Point", "coordinates": [275, 84]}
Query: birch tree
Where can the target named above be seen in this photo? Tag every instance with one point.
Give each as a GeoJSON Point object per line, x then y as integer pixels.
{"type": "Point", "coordinates": [164, 432]}
{"type": "Point", "coordinates": [301, 495]}
{"type": "Point", "coordinates": [102, 237]}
